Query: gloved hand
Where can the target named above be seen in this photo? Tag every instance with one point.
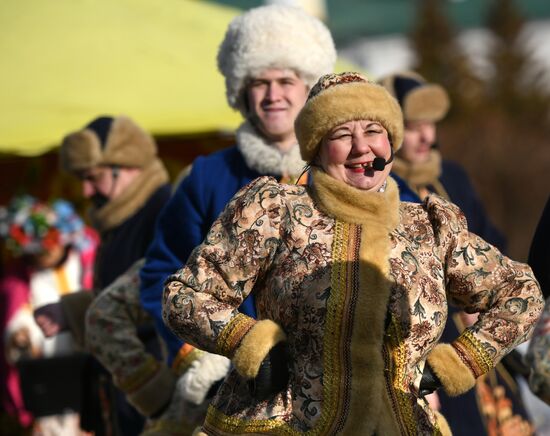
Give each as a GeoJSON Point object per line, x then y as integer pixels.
{"type": "Point", "coordinates": [429, 382]}
{"type": "Point", "coordinates": [273, 373]}
{"type": "Point", "coordinates": [196, 383]}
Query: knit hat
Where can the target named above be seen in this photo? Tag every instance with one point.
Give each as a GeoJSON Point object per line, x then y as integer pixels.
{"type": "Point", "coordinates": [108, 141]}
{"type": "Point", "coordinates": [419, 100]}
{"type": "Point", "coordinates": [274, 36]}
{"type": "Point", "coordinates": [338, 98]}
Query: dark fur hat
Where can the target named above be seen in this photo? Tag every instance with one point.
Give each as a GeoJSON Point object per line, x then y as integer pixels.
{"type": "Point", "coordinates": [108, 141]}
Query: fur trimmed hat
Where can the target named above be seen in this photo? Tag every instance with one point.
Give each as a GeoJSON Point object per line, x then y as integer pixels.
{"type": "Point", "coordinates": [108, 141]}
{"type": "Point", "coordinates": [338, 98]}
{"type": "Point", "coordinates": [419, 100]}
{"type": "Point", "coordinates": [274, 36]}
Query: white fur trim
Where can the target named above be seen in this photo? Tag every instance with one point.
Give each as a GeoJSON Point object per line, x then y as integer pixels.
{"type": "Point", "coordinates": [199, 378]}
{"type": "Point", "coordinates": [274, 36]}
{"type": "Point", "coordinates": [265, 158]}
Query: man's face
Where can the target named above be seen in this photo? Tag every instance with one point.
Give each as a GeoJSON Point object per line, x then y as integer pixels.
{"type": "Point", "coordinates": [418, 140]}
{"type": "Point", "coordinates": [275, 97]}
{"type": "Point", "coordinates": [103, 183]}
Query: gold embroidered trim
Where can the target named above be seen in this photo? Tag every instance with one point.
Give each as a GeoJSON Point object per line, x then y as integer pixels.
{"type": "Point", "coordinates": [140, 376]}
{"type": "Point", "coordinates": [183, 363]}
{"type": "Point", "coordinates": [232, 334]}
{"type": "Point", "coordinates": [472, 353]}
{"type": "Point", "coordinates": [332, 359]}
{"type": "Point", "coordinates": [228, 424]}
{"type": "Point", "coordinates": [395, 378]}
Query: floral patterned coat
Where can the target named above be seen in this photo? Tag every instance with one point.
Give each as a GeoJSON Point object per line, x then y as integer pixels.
{"type": "Point", "coordinates": [357, 284]}
{"type": "Point", "coordinates": [538, 356]}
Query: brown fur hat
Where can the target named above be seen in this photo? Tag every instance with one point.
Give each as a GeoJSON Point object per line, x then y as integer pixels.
{"type": "Point", "coordinates": [419, 100]}
{"type": "Point", "coordinates": [338, 98]}
{"type": "Point", "coordinates": [108, 141]}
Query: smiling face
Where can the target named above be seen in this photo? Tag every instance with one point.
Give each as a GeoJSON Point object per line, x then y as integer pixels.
{"type": "Point", "coordinates": [275, 98]}
{"type": "Point", "coordinates": [348, 150]}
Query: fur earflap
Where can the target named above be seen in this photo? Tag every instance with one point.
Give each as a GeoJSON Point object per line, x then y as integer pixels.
{"type": "Point", "coordinates": [454, 375]}
{"type": "Point", "coordinates": [338, 98]}
{"type": "Point", "coordinates": [255, 345]}
{"type": "Point", "coordinates": [273, 36]}
{"type": "Point", "coordinates": [419, 100]}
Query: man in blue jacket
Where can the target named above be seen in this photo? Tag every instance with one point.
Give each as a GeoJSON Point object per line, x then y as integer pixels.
{"type": "Point", "coordinates": [270, 57]}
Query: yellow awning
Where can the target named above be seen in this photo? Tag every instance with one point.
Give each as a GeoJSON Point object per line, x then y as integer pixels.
{"type": "Point", "coordinates": [64, 62]}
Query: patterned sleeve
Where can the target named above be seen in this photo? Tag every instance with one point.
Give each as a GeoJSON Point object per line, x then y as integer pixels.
{"type": "Point", "coordinates": [480, 279]}
{"type": "Point", "coordinates": [538, 356]}
{"type": "Point", "coordinates": [200, 301]}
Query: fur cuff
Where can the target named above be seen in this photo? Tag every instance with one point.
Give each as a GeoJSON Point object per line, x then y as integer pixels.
{"type": "Point", "coordinates": [255, 345]}
{"type": "Point", "coordinates": [74, 307]}
{"type": "Point", "coordinates": [155, 394]}
{"type": "Point", "coordinates": [454, 375]}
{"type": "Point", "coordinates": [442, 424]}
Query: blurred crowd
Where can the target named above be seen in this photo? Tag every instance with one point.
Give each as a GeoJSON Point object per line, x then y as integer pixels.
{"type": "Point", "coordinates": [331, 272]}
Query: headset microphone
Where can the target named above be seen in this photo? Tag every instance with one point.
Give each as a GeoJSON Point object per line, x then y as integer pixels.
{"type": "Point", "coordinates": [379, 163]}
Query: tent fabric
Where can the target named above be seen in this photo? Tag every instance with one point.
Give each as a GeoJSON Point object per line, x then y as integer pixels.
{"type": "Point", "coordinates": [65, 62]}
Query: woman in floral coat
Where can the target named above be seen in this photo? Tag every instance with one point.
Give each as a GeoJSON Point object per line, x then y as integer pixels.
{"type": "Point", "coordinates": [351, 287]}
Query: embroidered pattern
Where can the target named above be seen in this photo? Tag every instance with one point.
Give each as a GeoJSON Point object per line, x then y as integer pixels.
{"type": "Point", "coordinates": [471, 352]}
{"type": "Point", "coordinates": [396, 365]}
{"type": "Point", "coordinates": [274, 241]}
{"type": "Point", "coordinates": [232, 334]}
{"type": "Point", "coordinates": [336, 368]}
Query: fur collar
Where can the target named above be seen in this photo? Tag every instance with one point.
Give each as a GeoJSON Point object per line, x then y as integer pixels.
{"type": "Point", "coordinates": [132, 199]}
{"type": "Point", "coordinates": [264, 158]}
{"type": "Point", "coordinates": [422, 174]}
{"type": "Point", "coordinates": [355, 206]}
{"type": "Point", "coordinates": [378, 214]}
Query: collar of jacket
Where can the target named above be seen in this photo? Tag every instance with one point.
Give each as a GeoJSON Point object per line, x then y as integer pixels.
{"type": "Point", "coordinates": [419, 174]}
{"type": "Point", "coordinates": [131, 199]}
{"type": "Point", "coordinates": [356, 206]}
{"type": "Point", "coordinates": [264, 158]}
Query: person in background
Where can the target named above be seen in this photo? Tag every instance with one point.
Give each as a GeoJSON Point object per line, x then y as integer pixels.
{"type": "Point", "coordinates": [53, 255]}
{"type": "Point", "coordinates": [351, 287]}
{"type": "Point", "coordinates": [420, 164]}
{"type": "Point", "coordinates": [128, 185]}
{"type": "Point", "coordinates": [538, 355]}
{"type": "Point", "coordinates": [172, 405]}
{"type": "Point", "coordinates": [419, 161]}
{"type": "Point", "coordinates": [270, 57]}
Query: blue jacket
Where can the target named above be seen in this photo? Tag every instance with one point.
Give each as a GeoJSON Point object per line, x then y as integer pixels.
{"type": "Point", "coordinates": [462, 193]}
{"type": "Point", "coordinates": [183, 224]}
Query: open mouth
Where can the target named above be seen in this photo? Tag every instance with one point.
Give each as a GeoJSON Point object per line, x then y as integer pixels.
{"type": "Point", "coordinates": [359, 167]}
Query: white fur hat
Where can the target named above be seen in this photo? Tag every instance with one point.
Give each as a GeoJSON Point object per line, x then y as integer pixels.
{"type": "Point", "coordinates": [274, 36]}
